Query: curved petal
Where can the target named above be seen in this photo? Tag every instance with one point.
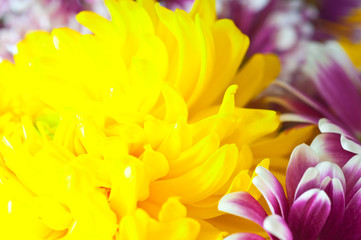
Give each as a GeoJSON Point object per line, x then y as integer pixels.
{"type": "Point", "coordinates": [328, 169]}
{"type": "Point", "coordinates": [352, 220]}
{"type": "Point", "coordinates": [334, 191]}
{"type": "Point", "coordinates": [276, 225]}
{"type": "Point", "coordinates": [301, 159]}
{"type": "Point", "coordinates": [326, 126]}
{"type": "Point", "coordinates": [328, 147]}
{"type": "Point", "coordinates": [200, 182]}
{"type": "Point", "coordinates": [353, 191]}
{"type": "Point", "coordinates": [331, 80]}
{"type": "Point", "coordinates": [243, 205]}
{"type": "Point", "coordinates": [352, 172]}
{"type": "Point", "coordinates": [308, 214]}
{"type": "Point", "coordinates": [272, 191]}
{"type": "Point", "coordinates": [350, 145]}
{"type": "Point", "coordinates": [309, 180]}
{"type": "Point", "coordinates": [262, 69]}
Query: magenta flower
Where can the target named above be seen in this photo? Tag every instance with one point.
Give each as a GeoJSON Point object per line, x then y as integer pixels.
{"type": "Point", "coordinates": [324, 196]}
{"type": "Point", "coordinates": [329, 86]}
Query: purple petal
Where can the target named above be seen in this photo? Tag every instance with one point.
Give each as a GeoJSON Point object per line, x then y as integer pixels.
{"type": "Point", "coordinates": [353, 191]}
{"type": "Point", "coordinates": [335, 85]}
{"type": "Point", "coordinates": [335, 10]}
{"type": "Point", "coordinates": [244, 236]}
{"type": "Point", "coordinates": [334, 191]}
{"type": "Point", "coordinates": [351, 229]}
{"type": "Point", "coordinates": [309, 180]}
{"type": "Point", "coordinates": [303, 112]}
{"type": "Point", "coordinates": [326, 126]}
{"type": "Point", "coordinates": [328, 147]}
{"type": "Point", "coordinates": [304, 98]}
{"type": "Point", "coordinates": [328, 169]}
{"type": "Point", "coordinates": [352, 172]}
{"type": "Point", "coordinates": [272, 191]}
{"type": "Point", "coordinates": [242, 204]}
{"type": "Point", "coordinates": [276, 225]}
{"type": "Point", "coordinates": [301, 159]}
{"type": "Point", "coordinates": [308, 214]}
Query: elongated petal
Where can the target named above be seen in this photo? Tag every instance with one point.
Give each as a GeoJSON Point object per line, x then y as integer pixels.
{"type": "Point", "coordinates": [304, 98]}
{"type": "Point", "coordinates": [350, 145]}
{"type": "Point", "coordinates": [244, 236]}
{"type": "Point", "coordinates": [301, 159]}
{"type": "Point", "coordinates": [327, 169]}
{"type": "Point", "coordinates": [352, 172]}
{"type": "Point", "coordinates": [309, 180]}
{"type": "Point", "coordinates": [272, 191]}
{"type": "Point", "coordinates": [206, 10]}
{"type": "Point", "coordinates": [308, 214]}
{"type": "Point", "coordinates": [277, 226]}
{"type": "Point", "coordinates": [334, 191]}
{"type": "Point", "coordinates": [284, 143]}
{"type": "Point", "coordinates": [353, 191]}
{"type": "Point", "coordinates": [352, 220]}
{"type": "Point", "coordinates": [243, 205]}
{"type": "Point", "coordinates": [327, 126]}
{"type": "Point", "coordinates": [328, 147]}
{"type": "Point", "coordinates": [331, 79]}
{"type": "Point", "coordinates": [261, 78]}
{"type": "Point", "coordinates": [202, 181]}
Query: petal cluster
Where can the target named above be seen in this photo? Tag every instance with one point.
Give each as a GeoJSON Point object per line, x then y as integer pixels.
{"type": "Point", "coordinates": [323, 195]}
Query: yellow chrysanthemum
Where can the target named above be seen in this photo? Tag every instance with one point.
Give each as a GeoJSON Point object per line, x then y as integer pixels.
{"type": "Point", "coordinates": [124, 134]}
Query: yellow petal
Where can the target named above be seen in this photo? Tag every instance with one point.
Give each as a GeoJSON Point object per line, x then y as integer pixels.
{"type": "Point", "coordinates": [255, 76]}
{"type": "Point", "coordinates": [206, 10]}
{"type": "Point", "coordinates": [171, 210]}
{"type": "Point", "coordinates": [284, 143]}
{"type": "Point", "coordinates": [201, 182]}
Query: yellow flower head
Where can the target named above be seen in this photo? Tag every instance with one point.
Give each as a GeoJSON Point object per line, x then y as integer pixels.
{"type": "Point", "coordinates": [130, 132]}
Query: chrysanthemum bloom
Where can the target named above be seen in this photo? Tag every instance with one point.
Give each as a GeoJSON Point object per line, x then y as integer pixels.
{"type": "Point", "coordinates": [131, 132]}
{"type": "Point", "coordinates": [17, 17]}
{"type": "Point", "coordinates": [323, 197]}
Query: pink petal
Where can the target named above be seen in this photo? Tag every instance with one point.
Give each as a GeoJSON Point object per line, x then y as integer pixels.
{"type": "Point", "coordinates": [276, 225]}
{"type": "Point", "coordinates": [352, 172]}
{"type": "Point", "coordinates": [334, 191]}
{"type": "Point", "coordinates": [328, 169]}
{"type": "Point", "coordinates": [352, 220]}
{"type": "Point", "coordinates": [272, 191]}
{"type": "Point", "coordinates": [308, 214]}
{"type": "Point", "coordinates": [326, 126]}
{"type": "Point", "coordinates": [315, 105]}
{"type": "Point", "coordinates": [350, 145]}
{"type": "Point", "coordinates": [353, 191]}
{"type": "Point", "coordinates": [309, 180]}
{"type": "Point", "coordinates": [336, 86]}
{"type": "Point", "coordinates": [301, 159]}
{"type": "Point", "coordinates": [242, 204]}
{"type": "Point", "coordinates": [328, 147]}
